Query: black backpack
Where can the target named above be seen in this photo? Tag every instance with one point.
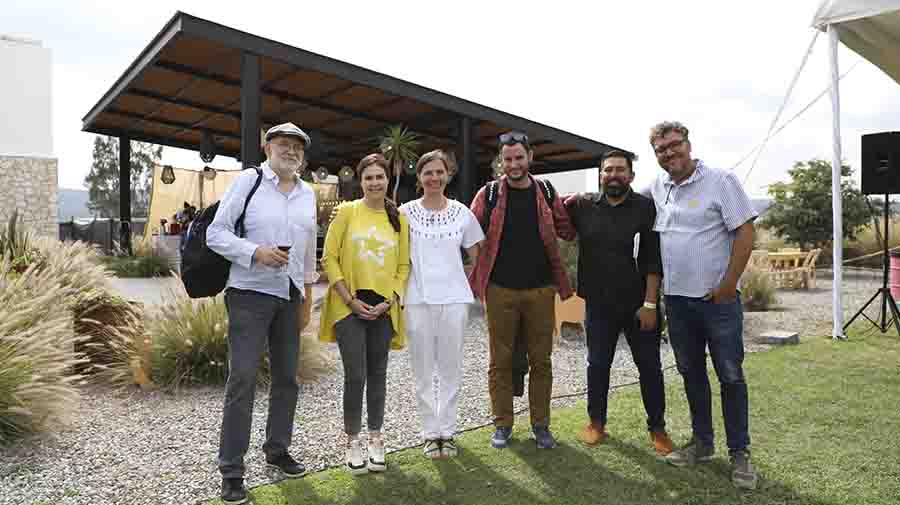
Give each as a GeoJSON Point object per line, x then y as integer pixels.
{"type": "Point", "coordinates": [491, 191]}
{"type": "Point", "coordinates": [204, 272]}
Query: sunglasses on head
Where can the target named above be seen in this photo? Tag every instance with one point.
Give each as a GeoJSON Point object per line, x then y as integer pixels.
{"type": "Point", "coordinates": [512, 138]}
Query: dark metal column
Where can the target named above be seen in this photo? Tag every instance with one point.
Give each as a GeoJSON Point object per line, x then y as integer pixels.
{"type": "Point", "coordinates": [251, 106]}
{"type": "Point", "coordinates": [466, 174]}
{"type": "Point", "coordinates": [125, 193]}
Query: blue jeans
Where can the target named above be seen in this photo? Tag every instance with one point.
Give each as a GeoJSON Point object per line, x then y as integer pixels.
{"type": "Point", "coordinates": [695, 324]}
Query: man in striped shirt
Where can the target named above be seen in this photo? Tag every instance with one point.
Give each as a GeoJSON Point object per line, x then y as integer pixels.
{"type": "Point", "coordinates": [705, 222]}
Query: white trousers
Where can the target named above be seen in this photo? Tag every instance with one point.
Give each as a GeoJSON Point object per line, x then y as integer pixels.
{"type": "Point", "coordinates": [435, 335]}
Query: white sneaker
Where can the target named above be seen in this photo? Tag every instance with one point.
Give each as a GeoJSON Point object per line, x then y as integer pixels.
{"type": "Point", "coordinates": [356, 463]}
{"type": "Point", "coordinates": [376, 454]}
{"type": "Point", "coordinates": [432, 449]}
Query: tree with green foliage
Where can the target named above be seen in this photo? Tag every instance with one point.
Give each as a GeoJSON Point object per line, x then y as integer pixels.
{"type": "Point", "coordinates": [103, 180]}
{"type": "Point", "coordinates": [801, 211]}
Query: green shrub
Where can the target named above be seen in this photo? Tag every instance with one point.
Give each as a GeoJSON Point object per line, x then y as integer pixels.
{"type": "Point", "coordinates": [757, 289]}
{"type": "Point", "coordinates": [37, 353]}
{"type": "Point", "coordinates": [138, 266]}
{"type": "Point", "coordinates": [189, 342]}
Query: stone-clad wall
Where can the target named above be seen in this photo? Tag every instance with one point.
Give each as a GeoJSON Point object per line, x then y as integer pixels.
{"type": "Point", "coordinates": [30, 185]}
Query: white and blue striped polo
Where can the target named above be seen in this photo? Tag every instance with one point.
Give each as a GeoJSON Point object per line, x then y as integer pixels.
{"type": "Point", "coordinates": [696, 221]}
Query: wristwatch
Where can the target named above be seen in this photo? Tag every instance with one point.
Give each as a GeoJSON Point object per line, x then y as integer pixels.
{"type": "Point", "coordinates": [648, 305]}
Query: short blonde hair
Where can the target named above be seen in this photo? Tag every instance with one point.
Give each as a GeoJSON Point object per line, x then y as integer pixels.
{"type": "Point", "coordinates": [660, 130]}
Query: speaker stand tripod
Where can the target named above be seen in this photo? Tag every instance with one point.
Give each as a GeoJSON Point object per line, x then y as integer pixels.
{"type": "Point", "coordinates": [887, 300]}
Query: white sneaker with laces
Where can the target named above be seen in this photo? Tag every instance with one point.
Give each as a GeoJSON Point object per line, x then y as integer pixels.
{"type": "Point", "coordinates": [356, 463]}
{"type": "Point", "coordinates": [376, 454]}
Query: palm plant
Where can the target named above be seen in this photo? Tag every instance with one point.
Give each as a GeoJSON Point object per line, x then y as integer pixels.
{"type": "Point", "coordinates": [399, 146]}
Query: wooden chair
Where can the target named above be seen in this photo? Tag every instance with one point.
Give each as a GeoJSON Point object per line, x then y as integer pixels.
{"type": "Point", "coordinates": [569, 311]}
{"type": "Point", "coordinates": [803, 276]}
{"type": "Point", "coordinates": [759, 259]}
{"type": "Point", "coordinates": [789, 249]}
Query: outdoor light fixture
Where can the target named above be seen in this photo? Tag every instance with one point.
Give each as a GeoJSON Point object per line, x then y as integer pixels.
{"type": "Point", "coordinates": [345, 174]}
{"type": "Point", "coordinates": [168, 174]}
{"type": "Point", "coordinates": [207, 147]}
{"type": "Point", "coordinates": [321, 174]}
{"type": "Point", "coordinates": [209, 172]}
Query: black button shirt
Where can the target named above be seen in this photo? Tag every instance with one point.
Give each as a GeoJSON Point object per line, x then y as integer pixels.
{"type": "Point", "coordinates": [607, 270]}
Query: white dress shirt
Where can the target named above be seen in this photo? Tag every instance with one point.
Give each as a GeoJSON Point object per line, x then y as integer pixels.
{"type": "Point", "coordinates": [273, 218]}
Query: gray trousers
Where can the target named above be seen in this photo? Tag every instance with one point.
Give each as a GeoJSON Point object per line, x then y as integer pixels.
{"type": "Point", "coordinates": [257, 322]}
{"type": "Point", "coordinates": [364, 347]}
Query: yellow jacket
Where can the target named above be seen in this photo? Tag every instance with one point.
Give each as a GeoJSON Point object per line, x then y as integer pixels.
{"type": "Point", "coordinates": [363, 250]}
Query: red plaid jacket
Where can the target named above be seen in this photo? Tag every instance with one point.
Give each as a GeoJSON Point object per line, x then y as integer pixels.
{"type": "Point", "coordinates": [553, 221]}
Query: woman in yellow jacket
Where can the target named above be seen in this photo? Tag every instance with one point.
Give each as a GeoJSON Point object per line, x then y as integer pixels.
{"type": "Point", "coordinates": [366, 258]}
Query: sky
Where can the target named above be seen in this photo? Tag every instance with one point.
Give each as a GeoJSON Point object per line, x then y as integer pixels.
{"type": "Point", "coordinates": [604, 70]}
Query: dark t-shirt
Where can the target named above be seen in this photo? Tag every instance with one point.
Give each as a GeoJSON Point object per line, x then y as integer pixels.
{"type": "Point", "coordinates": [522, 261]}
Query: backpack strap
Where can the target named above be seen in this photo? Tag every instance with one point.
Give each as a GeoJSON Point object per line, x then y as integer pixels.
{"type": "Point", "coordinates": [549, 191]}
{"type": "Point", "coordinates": [239, 224]}
{"type": "Point", "coordinates": [491, 191]}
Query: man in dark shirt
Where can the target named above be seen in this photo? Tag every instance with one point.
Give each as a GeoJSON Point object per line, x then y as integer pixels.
{"type": "Point", "coordinates": [619, 270]}
{"type": "Point", "coordinates": [517, 275]}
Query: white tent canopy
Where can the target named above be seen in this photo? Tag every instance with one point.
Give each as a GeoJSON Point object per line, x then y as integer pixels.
{"type": "Point", "coordinates": [871, 28]}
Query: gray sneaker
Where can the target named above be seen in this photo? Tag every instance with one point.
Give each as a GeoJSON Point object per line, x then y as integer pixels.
{"type": "Point", "coordinates": [692, 453]}
{"type": "Point", "coordinates": [501, 437]}
{"type": "Point", "coordinates": [543, 438]}
{"type": "Point", "coordinates": [743, 475]}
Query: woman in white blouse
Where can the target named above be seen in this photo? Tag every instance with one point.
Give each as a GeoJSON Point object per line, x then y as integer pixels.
{"type": "Point", "coordinates": [437, 299]}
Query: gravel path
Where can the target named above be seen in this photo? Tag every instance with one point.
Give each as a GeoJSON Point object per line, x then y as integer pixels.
{"type": "Point", "coordinates": [138, 447]}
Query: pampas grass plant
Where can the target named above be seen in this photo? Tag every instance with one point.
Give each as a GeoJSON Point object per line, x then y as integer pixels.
{"type": "Point", "coordinates": [37, 353]}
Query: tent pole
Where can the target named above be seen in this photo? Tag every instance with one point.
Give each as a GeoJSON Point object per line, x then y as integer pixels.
{"type": "Point", "coordinates": [836, 163]}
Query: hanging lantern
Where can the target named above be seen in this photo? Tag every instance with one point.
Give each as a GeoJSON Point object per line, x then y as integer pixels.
{"type": "Point", "coordinates": [321, 174]}
{"type": "Point", "coordinates": [207, 147]}
{"type": "Point", "coordinates": [497, 167]}
{"type": "Point", "coordinates": [168, 174]}
{"type": "Point", "coordinates": [209, 173]}
{"type": "Point", "coordinates": [345, 174]}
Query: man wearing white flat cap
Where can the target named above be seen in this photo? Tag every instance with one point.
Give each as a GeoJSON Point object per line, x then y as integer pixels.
{"type": "Point", "coordinates": [271, 264]}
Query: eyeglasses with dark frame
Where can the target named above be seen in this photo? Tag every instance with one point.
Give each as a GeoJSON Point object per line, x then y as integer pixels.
{"type": "Point", "coordinates": [660, 150]}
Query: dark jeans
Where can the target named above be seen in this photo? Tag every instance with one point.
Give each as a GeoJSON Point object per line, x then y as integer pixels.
{"type": "Point", "coordinates": [257, 322]}
{"type": "Point", "coordinates": [695, 324]}
{"type": "Point", "coordinates": [603, 323]}
{"type": "Point", "coordinates": [364, 347]}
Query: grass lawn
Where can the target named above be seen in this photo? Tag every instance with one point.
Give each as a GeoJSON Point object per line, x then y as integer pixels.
{"type": "Point", "coordinates": [825, 422]}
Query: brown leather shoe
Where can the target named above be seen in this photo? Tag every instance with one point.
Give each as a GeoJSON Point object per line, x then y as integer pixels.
{"type": "Point", "coordinates": [661, 443]}
{"type": "Point", "coordinates": [593, 434]}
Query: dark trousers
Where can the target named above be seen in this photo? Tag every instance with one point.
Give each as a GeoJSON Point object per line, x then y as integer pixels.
{"type": "Point", "coordinates": [694, 324]}
{"type": "Point", "coordinates": [364, 347]}
{"type": "Point", "coordinates": [603, 323]}
{"type": "Point", "coordinates": [257, 322]}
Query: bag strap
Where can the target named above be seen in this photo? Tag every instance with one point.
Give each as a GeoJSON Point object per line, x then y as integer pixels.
{"type": "Point", "coordinates": [490, 199]}
{"type": "Point", "coordinates": [239, 224]}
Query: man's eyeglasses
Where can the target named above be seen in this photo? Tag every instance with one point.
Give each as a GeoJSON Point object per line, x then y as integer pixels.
{"type": "Point", "coordinates": [660, 150]}
{"type": "Point", "coordinates": [298, 148]}
{"type": "Point", "coordinates": [512, 138]}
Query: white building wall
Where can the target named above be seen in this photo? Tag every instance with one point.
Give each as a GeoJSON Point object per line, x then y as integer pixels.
{"type": "Point", "coordinates": [28, 167]}
{"type": "Point", "coordinates": [576, 181]}
{"type": "Point", "coordinates": [25, 99]}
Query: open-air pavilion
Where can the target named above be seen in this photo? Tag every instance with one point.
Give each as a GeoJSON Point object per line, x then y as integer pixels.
{"type": "Point", "coordinates": [210, 88]}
